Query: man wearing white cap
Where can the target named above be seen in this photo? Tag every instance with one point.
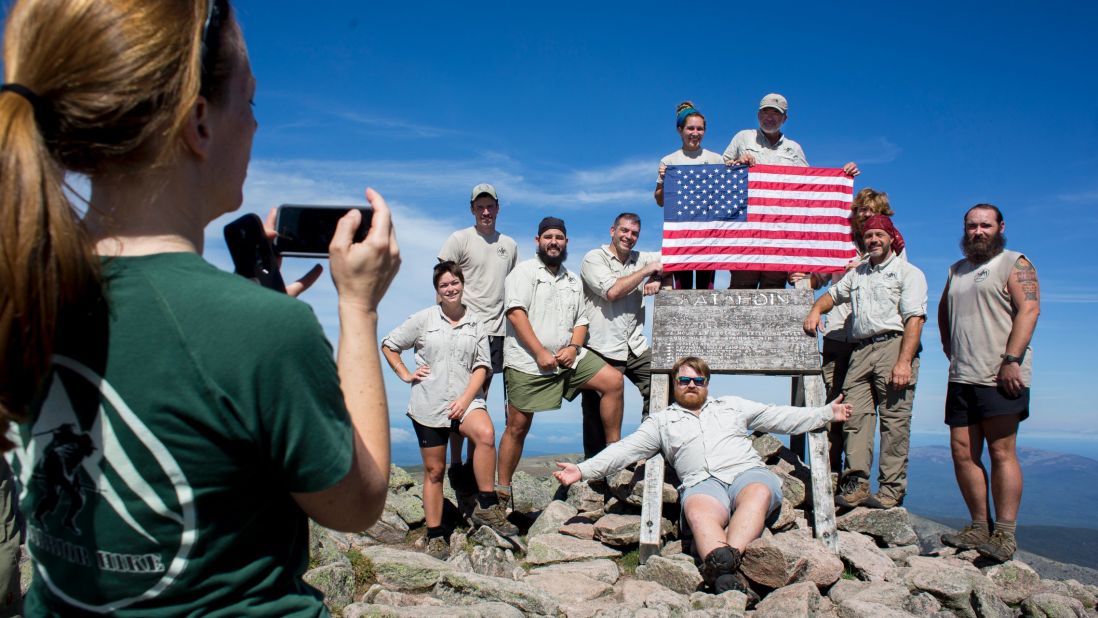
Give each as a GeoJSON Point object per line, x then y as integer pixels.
{"type": "Point", "coordinates": [767, 145]}
{"type": "Point", "coordinates": [486, 257]}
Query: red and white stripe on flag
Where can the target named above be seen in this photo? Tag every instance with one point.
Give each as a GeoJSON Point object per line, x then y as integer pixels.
{"type": "Point", "coordinates": [797, 221]}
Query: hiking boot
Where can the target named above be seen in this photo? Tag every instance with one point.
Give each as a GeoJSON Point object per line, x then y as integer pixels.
{"type": "Point", "coordinates": [853, 491]}
{"type": "Point", "coordinates": [882, 502]}
{"type": "Point", "coordinates": [1000, 547]}
{"type": "Point", "coordinates": [735, 581]}
{"type": "Point", "coordinates": [970, 537]}
{"type": "Point", "coordinates": [495, 518]}
{"type": "Point", "coordinates": [721, 561]}
{"type": "Point", "coordinates": [438, 547]}
{"type": "Point", "coordinates": [506, 498]}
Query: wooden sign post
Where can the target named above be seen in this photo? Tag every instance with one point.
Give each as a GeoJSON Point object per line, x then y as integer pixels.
{"type": "Point", "coordinates": [738, 332]}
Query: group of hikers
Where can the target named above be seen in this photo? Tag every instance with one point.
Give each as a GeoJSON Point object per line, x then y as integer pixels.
{"type": "Point", "coordinates": [172, 427]}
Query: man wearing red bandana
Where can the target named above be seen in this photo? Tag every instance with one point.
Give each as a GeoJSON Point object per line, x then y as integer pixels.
{"type": "Point", "coordinates": [888, 309]}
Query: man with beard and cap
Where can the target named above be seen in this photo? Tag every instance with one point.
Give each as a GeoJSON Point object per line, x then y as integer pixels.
{"type": "Point", "coordinates": [485, 256]}
{"type": "Point", "coordinates": [543, 355]}
{"type": "Point", "coordinates": [986, 319]}
{"type": "Point", "coordinates": [888, 308]}
{"type": "Point", "coordinates": [767, 145]}
{"type": "Point", "coordinates": [615, 280]}
{"type": "Point", "coordinates": [727, 492]}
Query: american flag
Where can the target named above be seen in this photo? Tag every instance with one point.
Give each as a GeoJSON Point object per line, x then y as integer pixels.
{"type": "Point", "coordinates": [766, 217]}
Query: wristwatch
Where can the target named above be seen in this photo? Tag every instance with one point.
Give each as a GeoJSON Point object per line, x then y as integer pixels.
{"type": "Point", "coordinates": [576, 346]}
{"type": "Point", "coordinates": [1008, 358]}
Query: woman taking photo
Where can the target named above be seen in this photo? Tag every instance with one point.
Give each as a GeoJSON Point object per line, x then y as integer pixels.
{"type": "Point", "coordinates": [452, 364]}
{"type": "Point", "coordinates": [691, 127]}
{"type": "Point", "coordinates": [177, 424]}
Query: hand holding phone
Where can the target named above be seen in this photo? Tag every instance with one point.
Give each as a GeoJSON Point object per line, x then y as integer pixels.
{"type": "Point", "coordinates": [307, 231]}
{"type": "Point", "coordinates": [362, 271]}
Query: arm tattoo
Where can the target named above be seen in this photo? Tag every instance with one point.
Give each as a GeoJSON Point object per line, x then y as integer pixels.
{"type": "Point", "coordinates": [1026, 276]}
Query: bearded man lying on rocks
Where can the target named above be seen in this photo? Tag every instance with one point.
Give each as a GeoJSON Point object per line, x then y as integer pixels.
{"type": "Point", "coordinates": [727, 492]}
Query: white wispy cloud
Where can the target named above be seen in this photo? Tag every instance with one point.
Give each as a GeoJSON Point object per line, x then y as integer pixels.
{"type": "Point", "coordinates": [1080, 197]}
{"type": "Point", "coordinates": [864, 151]}
{"type": "Point", "coordinates": [1070, 297]}
{"type": "Point", "coordinates": [388, 124]}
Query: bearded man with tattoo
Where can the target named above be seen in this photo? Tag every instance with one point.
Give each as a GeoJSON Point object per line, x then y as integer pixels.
{"type": "Point", "coordinates": [986, 318]}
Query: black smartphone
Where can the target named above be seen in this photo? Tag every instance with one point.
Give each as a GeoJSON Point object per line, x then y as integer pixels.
{"type": "Point", "coordinates": [306, 231]}
{"type": "Point", "coordinates": [253, 256]}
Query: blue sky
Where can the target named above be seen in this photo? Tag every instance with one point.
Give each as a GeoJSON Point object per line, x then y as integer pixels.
{"type": "Point", "coordinates": [567, 108]}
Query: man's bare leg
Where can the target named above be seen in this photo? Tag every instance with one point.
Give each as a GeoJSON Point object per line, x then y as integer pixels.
{"type": "Point", "coordinates": [967, 446]}
{"type": "Point", "coordinates": [610, 385]}
{"type": "Point", "coordinates": [1006, 475]}
{"type": "Point", "coordinates": [510, 445]}
{"type": "Point", "coordinates": [707, 518]}
{"type": "Point", "coordinates": [748, 515]}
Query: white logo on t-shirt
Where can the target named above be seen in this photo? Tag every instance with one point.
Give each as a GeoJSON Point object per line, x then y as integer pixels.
{"type": "Point", "coordinates": [71, 464]}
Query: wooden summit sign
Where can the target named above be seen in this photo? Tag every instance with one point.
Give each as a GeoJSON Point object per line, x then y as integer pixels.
{"type": "Point", "coordinates": [739, 331]}
{"type": "Point", "coordinates": [735, 331]}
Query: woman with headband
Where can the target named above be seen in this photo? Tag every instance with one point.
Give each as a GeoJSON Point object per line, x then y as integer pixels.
{"type": "Point", "coordinates": [175, 426]}
{"type": "Point", "coordinates": [691, 127]}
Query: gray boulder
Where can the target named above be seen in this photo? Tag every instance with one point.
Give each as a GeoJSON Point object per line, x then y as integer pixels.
{"type": "Point", "coordinates": [794, 601]}
{"type": "Point", "coordinates": [336, 581]}
{"type": "Point", "coordinates": [618, 530]}
{"type": "Point", "coordinates": [494, 561]}
{"type": "Point", "coordinates": [1050, 605]}
{"type": "Point", "coordinates": [602, 570]}
{"type": "Point", "coordinates": [862, 556]}
{"type": "Point", "coordinates": [399, 478]}
{"type": "Point", "coordinates": [888, 526]}
{"type": "Point", "coordinates": [766, 445]}
{"type": "Point", "coordinates": [530, 493]}
{"type": "Point", "coordinates": [478, 610]}
{"type": "Point", "coordinates": [554, 516]}
{"type": "Point", "coordinates": [791, 557]}
{"type": "Point", "coordinates": [550, 548]}
{"type": "Point", "coordinates": [407, 506]}
{"type": "Point", "coordinates": [584, 498]}
{"type": "Point", "coordinates": [568, 587]}
{"type": "Point", "coordinates": [1016, 580]}
{"type": "Point", "coordinates": [397, 569]}
{"type": "Point", "coordinates": [464, 587]}
{"type": "Point", "coordinates": [389, 529]}
{"type": "Point", "coordinates": [680, 576]}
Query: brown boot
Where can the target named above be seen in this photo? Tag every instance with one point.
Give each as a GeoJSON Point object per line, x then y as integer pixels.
{"type": "Point", "coordinates": [853, 491]}
{"type": "Point", "coordinates": [495, 518]}
{"type": "Point", "coordinates": [1000, 547]}
{"type": "Point", "coordinates": [882, 502]}
{"type": "Point", "coordinates": [969, 537]}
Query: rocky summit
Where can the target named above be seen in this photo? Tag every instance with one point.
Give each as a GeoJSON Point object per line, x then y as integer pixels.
{"type": "Point", "coordinates": [577, 557]}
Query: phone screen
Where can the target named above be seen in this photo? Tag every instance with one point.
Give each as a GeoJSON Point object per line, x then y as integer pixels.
{"type": "Point", "coordinates": [307, 230]}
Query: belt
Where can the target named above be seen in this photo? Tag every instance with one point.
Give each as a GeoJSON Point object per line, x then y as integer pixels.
{"type": "Point", "coordinates": [861, 343]}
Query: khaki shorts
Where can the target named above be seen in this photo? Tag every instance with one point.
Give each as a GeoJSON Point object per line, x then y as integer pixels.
{"type": "Point", "coordinates": [538, 393]}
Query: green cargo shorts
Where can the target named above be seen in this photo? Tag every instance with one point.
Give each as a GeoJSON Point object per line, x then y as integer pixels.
{"type": "Point", "coordinates": [538, 393]}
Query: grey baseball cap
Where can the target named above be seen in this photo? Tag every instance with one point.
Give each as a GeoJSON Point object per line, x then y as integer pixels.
{"type": "Point", "coordinates": [481, 189]}
{"type": "Point", "coordinates": [776, 101]}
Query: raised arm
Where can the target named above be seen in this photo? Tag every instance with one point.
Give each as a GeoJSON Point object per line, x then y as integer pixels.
{"type": "Point", "coordinates": [362, 273]}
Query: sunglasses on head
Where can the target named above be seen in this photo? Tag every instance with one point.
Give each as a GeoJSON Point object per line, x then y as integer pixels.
{"type": "Point", "coordinates": [211, 42]}
{"type": "Point", "coordinates": [684, 381]}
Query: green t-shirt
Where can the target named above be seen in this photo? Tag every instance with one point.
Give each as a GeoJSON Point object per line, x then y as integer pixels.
{"type": "Point", "coordinates": [158, 470]}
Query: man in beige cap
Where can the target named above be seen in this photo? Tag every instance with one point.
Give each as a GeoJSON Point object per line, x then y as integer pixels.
{"type": "Point", "coordinates": [486, 257]}
{"type": "Point", "coordinates": [767, 145]}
